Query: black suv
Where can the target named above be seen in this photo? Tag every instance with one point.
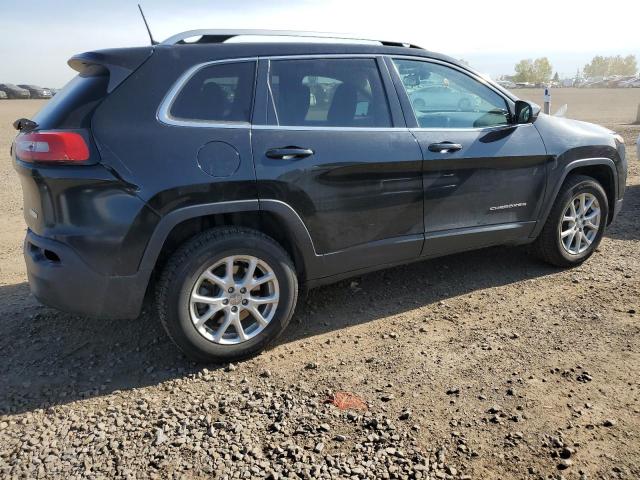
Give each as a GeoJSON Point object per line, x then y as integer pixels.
{"type": "Point", "coordinates": [219, 176]}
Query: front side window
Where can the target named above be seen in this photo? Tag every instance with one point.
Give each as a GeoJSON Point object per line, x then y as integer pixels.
{"type": "Point", "coordinates": [217, 93]}
{"type": "Point", "coordinates": [442, 97]}
{"type": "Point", "coordinates": [328, 93]}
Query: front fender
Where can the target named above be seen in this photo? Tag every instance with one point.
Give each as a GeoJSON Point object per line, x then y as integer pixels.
{"type": "Point", "coordinates": [558, 181]}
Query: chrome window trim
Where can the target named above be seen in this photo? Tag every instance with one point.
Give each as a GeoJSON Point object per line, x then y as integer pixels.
{"type": "Point", "coordinates": [271, 101]}
{"type": "Point", "coordinates": [321, 55]}
{"type": "Point", "coordinates": [334, 129]}
{"type": "Point", "coordinates": [163, 114]}
{"type": "Point", "coordinates": [387, 129]}
{"type": "Point", "coordinates": [472, 129]}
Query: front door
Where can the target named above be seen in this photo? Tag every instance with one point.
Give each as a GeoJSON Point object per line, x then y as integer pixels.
{"type": "Point", "coordinates": [336, 150]}
{"type": "Point", "coordinates": [484, 177]}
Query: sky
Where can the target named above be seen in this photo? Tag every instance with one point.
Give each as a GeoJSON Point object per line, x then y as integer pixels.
{"type": "Point", "coordinates": [38, 37]}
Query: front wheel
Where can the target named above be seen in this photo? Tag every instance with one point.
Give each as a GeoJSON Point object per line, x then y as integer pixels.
{"type": "Point", "coordinates": [226, 294]}
{"type": "Point", "coordinates": [576, 223]}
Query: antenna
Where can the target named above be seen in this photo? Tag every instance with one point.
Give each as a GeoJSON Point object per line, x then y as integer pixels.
{"type": "Point", "coordinates": [144, 19]}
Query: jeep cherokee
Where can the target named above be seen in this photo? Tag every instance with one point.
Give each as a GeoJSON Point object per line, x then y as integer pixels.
{"type": "Point", "coordinates": [220, 175]}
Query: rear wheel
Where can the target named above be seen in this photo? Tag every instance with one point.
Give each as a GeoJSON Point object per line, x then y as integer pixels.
{"type": "Point", "coordinates": [226, 294]}
{"type": "Point", "coordinates": [576, 223]}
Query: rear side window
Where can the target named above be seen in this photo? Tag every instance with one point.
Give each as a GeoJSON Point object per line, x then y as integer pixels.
{"type": "Point", "coordinates": [73, 106]}
{"type": "Point", "coordinates": [217, 93]}
{"type": "Point", "coordinates": [329, 93]}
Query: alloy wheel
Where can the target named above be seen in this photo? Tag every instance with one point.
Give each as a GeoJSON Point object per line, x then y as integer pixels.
{"type": "Point", "coordinates": [234, 299]}
{"type": "Point", "coordinates": [580, 223]}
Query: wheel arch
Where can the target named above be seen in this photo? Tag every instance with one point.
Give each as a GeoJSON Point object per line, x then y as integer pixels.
{"type": "Point", "coordinates": [601, 169]}
{"type": "Point", "coordinates": [271, 217]}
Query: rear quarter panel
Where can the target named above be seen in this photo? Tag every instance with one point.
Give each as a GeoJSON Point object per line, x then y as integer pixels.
{"type": "Point", "coordinates": [160, 159]}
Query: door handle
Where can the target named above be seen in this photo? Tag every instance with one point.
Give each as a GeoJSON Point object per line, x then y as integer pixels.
{"type": "Point", "coordinates": [445, 147]}
{"type": "Point", "coordinates": [289, 153]}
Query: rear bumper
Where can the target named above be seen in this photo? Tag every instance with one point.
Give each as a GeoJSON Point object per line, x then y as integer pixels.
{"type": "Point", "coordinates": [59, 278]}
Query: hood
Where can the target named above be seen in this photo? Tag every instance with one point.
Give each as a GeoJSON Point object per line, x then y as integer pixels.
{"type": "Point", "coordinates": [561, 135]}
{"type": "Point", "coordinates": [579, 126]}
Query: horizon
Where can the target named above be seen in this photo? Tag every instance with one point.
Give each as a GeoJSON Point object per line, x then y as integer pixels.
{"type": "Point", "coordinates": [69, 29]}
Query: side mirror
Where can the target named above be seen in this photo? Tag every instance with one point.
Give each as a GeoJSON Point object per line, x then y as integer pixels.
{"type": "Point", "coordinates": [526, 112]}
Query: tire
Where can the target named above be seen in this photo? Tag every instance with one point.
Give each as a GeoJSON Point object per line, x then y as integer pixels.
{"type": "Point", "coordinates": [549, 246]}
{"type": "Point", "coordinates": [188, 272]}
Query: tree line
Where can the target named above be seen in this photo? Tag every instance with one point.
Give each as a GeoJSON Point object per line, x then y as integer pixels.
{"type": "Point", "coordinates": [540, 70]}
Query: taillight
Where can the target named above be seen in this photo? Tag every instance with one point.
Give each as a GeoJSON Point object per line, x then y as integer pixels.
{"type": "Point", "coordinates": [51, 147]}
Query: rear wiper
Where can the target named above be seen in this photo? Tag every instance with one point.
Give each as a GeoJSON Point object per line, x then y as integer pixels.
{"type": "Point", "coordinates": [25, 125]}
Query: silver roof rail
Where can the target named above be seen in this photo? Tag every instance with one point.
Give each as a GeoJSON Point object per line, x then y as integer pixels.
{"type": "Point", "coordinates": [222, 35]}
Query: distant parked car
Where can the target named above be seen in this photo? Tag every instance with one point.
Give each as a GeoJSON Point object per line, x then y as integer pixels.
{"type": "Point", "coordinates": [36, 91]}
{"type": "Point", "coordinates": [600, 84]}
{"type": "Point", "coordinates": [54, 91]}
{"type": "Point", "coordinates": [631, 83]}
{"type": "Point", "coordinates": [618, 82]}
{"type": "Point", "coordinates": [3, 95]}
{"type": "Point", "coordinates": [442, 98]}
{"type": "Point", "coordinates": [506, 84]}
{"type": "Point", "coordinates": [14, 91]}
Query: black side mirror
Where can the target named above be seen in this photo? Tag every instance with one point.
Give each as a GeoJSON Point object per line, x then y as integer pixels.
{"type": "Point", "coordinates": [524, 112]}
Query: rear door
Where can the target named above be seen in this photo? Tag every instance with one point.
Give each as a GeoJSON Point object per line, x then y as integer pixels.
{"type": "Point", "coordinates": [484, 177]}
{"type": "Point", "coordinates": [334, 147]}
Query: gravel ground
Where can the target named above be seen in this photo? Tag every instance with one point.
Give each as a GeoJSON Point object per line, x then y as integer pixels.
{"type": "Point", "coordinates": [483, 365]}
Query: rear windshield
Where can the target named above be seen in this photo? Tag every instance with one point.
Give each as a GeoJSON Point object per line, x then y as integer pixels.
{"type": "Point", "coordinates": [73, 106]}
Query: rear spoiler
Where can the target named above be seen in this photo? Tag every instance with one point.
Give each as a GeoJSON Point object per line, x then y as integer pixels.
{"type": "Point", "coordinates": [118, 63]}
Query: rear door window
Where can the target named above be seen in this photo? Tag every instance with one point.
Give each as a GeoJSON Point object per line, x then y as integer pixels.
{"type": "Point", "coordinates": [328, 93]}
{"type": "Point", "coordinates": [217, 93]}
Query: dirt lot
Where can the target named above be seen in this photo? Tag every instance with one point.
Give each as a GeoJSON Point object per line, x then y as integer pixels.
{"type": "Point", "coordinates": [483, 365]}
{"type": "Point", "coordinates": [606, 106]}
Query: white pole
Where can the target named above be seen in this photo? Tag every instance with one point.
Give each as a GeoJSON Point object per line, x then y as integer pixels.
{"type": "Point", "coordinates": [547, 100]}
